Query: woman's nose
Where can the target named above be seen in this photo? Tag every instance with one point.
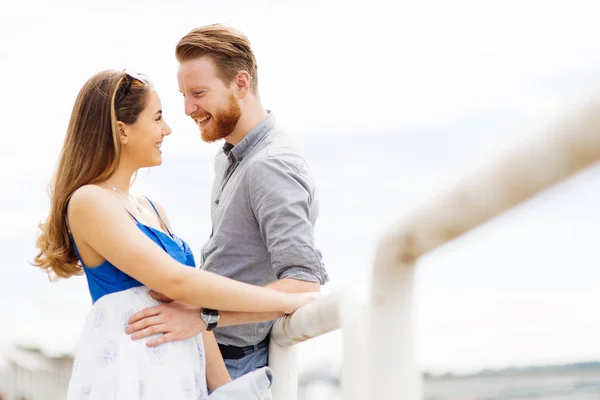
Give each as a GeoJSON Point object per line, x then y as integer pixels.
{"type": "Point", "coordinates": [167, 130]}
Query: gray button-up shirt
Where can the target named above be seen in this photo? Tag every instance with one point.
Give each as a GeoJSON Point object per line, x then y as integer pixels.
{"type": "Point", "coordinates": [264, 208]}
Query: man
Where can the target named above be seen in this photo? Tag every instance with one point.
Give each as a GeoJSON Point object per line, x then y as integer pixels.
{"type": "Point", "coordinates": [264, 204]}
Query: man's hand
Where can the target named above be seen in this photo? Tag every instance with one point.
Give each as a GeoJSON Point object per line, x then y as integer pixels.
{"type": "Point", "coordinates": [174, 320]}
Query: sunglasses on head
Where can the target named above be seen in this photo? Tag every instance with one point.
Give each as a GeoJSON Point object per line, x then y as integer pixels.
{"type": "Point", "coordinates": [126, 83]}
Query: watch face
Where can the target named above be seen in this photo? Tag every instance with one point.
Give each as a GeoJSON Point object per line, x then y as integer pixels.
{"type": "Point", "coordinates": [211, 318]}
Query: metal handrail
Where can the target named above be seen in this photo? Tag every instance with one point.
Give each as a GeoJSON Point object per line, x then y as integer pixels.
{"type": "Point", "coordinates": [379, 356]}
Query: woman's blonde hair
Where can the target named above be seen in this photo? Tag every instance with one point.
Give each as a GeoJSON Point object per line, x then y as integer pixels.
{"type": "Point", "coordinates": [90, 154]}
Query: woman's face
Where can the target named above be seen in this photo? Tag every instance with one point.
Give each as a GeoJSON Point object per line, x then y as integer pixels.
{"type": "Point", "coordinates": [142, 140]}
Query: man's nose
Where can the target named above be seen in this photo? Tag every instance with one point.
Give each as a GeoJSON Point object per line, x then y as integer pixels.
{"type": "Point", "coordinates": [189, 107]}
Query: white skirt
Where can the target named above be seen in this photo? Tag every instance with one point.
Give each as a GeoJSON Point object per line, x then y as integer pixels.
{"type": "Point", "coordinates": [110, 366]}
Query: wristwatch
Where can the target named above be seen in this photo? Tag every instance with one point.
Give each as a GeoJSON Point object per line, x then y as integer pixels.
{"type": "Point", "coordinates": [210, 318]}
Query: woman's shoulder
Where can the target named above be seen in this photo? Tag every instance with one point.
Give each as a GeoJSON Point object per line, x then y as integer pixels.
{"type": "Point", "coordinates": [87, 198]}
{"type": "Point", "coordinates": [86, 193]}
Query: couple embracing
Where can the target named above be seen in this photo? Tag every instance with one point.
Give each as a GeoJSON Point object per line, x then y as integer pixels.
{"type": "Point", "coordinates": [159, 329]}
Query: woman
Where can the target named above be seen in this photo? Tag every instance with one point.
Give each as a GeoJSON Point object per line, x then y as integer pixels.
{"type": "Point", "coordinates": [124, 245]}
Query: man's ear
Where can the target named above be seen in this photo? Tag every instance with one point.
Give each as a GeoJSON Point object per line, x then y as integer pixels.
{"type": "Point", "coordinates": [242, 83]}
{"type": "Point", "coordinates": [122, 132]}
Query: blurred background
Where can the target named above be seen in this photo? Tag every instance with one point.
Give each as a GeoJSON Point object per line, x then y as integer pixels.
{"type": "Point", "coordinates": [391, 103]}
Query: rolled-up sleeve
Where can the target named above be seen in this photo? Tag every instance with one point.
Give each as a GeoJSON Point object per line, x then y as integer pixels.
{"type": "Point", "coordinates": [282, 197]}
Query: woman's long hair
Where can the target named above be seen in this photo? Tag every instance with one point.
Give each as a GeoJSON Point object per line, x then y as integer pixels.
{"type": "Point", "coordinates": [90, 154]}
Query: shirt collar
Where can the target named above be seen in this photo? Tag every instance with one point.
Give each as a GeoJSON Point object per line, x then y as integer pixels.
{"type": "Point", "coordinates": [238, 152]}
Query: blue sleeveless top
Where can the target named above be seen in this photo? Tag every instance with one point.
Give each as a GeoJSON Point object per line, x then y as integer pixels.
{"type": "Point", "coordinates": [106, 278]}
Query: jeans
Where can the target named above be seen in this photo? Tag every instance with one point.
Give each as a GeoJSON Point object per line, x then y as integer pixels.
{"type": "Point", "coordinates": [250, 362]}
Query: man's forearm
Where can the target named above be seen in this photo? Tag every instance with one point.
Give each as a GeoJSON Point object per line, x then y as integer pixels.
{"type": "Point", "coordinates": [295, 286]}
{"type": "Point", "coordinates": [229, 318]}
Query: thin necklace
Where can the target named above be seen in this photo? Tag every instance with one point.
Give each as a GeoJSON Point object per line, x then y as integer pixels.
{"type": "Point", "coordinates": [128, 198]}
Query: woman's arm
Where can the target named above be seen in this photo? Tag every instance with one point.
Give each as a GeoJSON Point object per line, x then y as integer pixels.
{"type": "Point", "coordinates": [99, 220]}
{"type": "Point", "coordinates": [216, 371]}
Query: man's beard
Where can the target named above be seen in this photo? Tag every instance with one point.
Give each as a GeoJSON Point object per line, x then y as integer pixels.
{"type": "Point", "coordinates": [222, 123]}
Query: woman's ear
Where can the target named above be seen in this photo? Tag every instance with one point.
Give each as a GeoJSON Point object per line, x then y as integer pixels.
{"type": "Point", "coordinates": [122, 132]}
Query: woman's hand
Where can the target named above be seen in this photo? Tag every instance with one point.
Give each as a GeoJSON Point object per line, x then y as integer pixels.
{"type": "Point", "coordinates": [296, 300]}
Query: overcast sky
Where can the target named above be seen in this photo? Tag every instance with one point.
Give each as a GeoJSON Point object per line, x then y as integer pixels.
{"type": "Point", "coordinates": [389, 104]}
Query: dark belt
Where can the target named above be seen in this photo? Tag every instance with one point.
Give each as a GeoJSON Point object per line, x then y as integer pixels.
{"type": "Point", "coordinates": [235, 353]}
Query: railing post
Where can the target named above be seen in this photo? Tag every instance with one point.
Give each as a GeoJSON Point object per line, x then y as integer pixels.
{"type": "Point", "coordinates": [355, 334]}
{"type": "Point", "coordinates": [393, 372]}
{"type": "Point", "coordinates": [312, 320]}
{"type": "Point", "coordinates": [284, 362]}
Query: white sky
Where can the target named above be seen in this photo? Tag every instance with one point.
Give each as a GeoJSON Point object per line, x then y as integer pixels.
{"type": "Point", "coordinates": [389, 103]}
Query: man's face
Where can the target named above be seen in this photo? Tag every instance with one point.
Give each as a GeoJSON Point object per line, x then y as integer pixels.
{"type": "Point", "coordinates": [212, 105]}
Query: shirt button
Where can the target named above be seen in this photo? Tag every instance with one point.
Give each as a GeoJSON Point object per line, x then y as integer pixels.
{"type": "Point", "coordinates": [217, 202]}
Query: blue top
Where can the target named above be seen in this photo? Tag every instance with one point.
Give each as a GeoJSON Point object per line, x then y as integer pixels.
{"type": "Point", "coordinates": [106, 278]}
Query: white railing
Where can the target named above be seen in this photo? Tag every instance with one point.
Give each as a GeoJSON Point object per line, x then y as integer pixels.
{"type": "Point", "coordinates": [383, 364]}
{"type": "Point", "coordinates": [343, 309]}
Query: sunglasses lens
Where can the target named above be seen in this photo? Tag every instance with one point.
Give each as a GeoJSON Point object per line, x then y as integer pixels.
{"type": "Point", "coordinates": [125, 86]}
{"type": "Point", "coordinates": [137, 76]}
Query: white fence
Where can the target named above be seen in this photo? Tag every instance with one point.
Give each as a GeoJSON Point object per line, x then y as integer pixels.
{"type": "Point", "coordinates": [383, 366]}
